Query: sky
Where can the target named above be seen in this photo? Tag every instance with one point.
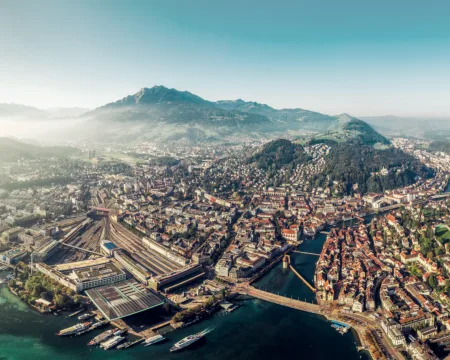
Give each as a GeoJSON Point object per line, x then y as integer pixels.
{"type": "Point", "coordinates": [365, 58]}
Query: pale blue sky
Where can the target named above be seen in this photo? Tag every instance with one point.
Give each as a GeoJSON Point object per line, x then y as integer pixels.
{"type": "Point", "coordinates": [361, 57]}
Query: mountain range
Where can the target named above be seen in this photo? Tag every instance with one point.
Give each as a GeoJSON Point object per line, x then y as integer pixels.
{"type": "Point", "coordinates": [162, 114]}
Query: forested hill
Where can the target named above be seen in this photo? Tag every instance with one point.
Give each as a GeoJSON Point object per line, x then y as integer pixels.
{"type": "Point", "coordinates": [278, 153]}
{"type": "Point", "coordinates": [365, 133]}
{"type": "Point", "coordinates": [353, 162]}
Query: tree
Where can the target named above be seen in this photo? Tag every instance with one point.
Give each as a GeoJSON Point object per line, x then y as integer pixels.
{"type": "Point", "coordinates": [432, 281]}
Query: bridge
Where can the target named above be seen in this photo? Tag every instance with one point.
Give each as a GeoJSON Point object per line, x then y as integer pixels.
{"type": "Point", "coordinates": [81, 249]}
{"type": "Point", "coordinates": [287, 261]}
{"type": "Point", "coordinates": [305, 253]}
{"type": "Point", "coordinates": [280, 300]}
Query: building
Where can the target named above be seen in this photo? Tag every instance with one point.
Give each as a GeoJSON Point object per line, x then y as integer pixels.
{"type": "Point", "coordinates": [11, 234]}
{"type": "Point", "coordinates": [83, 275]}
{"type": "Point", "coordinates": [123, 299]}
{"type": "Point", "coordinates": [427, 332]}
{"type": "Point", "coordinates": [13, 256]}
{"type": "Point", "coordinates": [176, 279]}
{"type": "Point", "coordinates": [135, 269]}
{"type": "Point", "coordinates": [392, 330]}
{"type": "Point", "coordinates": [88, 277]}
{"type": "Point", "coordinates": [45, 251]}
{"type": "Point", "coordinates": [223, 267]}
{"type": "Point", "coordinates": [108, 247]}
{"type": "Point", "coordinates": [161, 249]}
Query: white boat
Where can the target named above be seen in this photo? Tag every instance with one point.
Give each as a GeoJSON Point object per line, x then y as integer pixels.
{"type": "Point", "coordinates": [109, 344]}
{"type": "Point", "coordinates": [188, 341]}
{"type": "Point", "coordinates": [153, 340]}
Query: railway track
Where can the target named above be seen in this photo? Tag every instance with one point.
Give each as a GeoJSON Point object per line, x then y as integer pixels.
{"type": "Point", "coordinates": [155, 262]}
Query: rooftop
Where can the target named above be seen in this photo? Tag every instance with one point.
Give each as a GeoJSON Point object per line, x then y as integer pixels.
{"type": "Point", "coordinates": [123, 299]}
{"type": "Point", "coordinates": [95, 272]}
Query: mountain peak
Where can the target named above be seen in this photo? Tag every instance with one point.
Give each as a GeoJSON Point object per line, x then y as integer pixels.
{"type": "Point", "coordinates": [157, 94]}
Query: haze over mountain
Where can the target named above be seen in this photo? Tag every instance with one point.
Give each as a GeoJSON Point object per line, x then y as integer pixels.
{"type": "Point", "coordinates": [160, 113]}
{"type": "Point", "coordinates": [428, 127]}
{"type": "Point", "coordinates": [25, 112]}
{"type": "Point", "coordinates": [18, 110]}
{"type": "Point", "coordinates": [13, 150]}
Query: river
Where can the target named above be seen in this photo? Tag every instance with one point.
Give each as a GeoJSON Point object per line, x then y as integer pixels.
{"type": "Point", "coordinates": [257, 330]}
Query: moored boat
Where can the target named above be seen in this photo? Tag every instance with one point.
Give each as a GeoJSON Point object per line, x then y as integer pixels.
{"type": "Point", "coordinates": [74, 329]}
{"type": "Point", "coordinates": [102, 337]}
{"type": "Point", "coordinates": [153, 340]}
{"type": "Point", "coordinates": [109, 344]}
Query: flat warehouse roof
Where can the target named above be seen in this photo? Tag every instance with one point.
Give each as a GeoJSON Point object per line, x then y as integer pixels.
{"type": "Point", "coordinates": [123, 299]}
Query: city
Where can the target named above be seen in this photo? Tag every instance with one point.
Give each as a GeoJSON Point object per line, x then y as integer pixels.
{"type": "Point", "coordinates": [224, 180]}
{"type": "Point", "coordinates": [151, 234]}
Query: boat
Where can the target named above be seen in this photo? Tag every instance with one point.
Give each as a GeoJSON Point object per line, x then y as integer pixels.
{"type": "Point", "coordinates": [188, 341]}
{"type": "Point", "coordinates": [76, 313]}
{"type": "Point", "coordinates": [109, 344]}
{"type": "Point", "coordinates": [74, 329]}
{"type": "Point", "coordinates": [93, 327]}
{"type": "Point", "coordinates": [129, 344]}
{"type": "Point", "coordinates": [85, 316]}
{"type": "Point", "coordinates": [102, 337]}
{"type": "Point", "coordinates": [125, 345]}
{"type": "Point", "coordinates": [119, 332]}
{"type": "Point", "coordinates": [153, 340]}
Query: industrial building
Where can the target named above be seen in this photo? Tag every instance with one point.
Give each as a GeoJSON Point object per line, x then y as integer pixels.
{"type": "Point", "coordinates": [135, 269]}
{"type": "Point", "coordinates": [161, 249]}
{"type": "Point", "coordinates": [45, 251]}
{"type": "Point", "coordinates": [171, 281]}
{"type": "Point", "coordinates": [108, 247]}
{"type": "Point", "coordinates": [123, 299]}
{"type": "Point", "coordinates": [83, 275]}
{"type": "Point", "coordinates": [13, 256]}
